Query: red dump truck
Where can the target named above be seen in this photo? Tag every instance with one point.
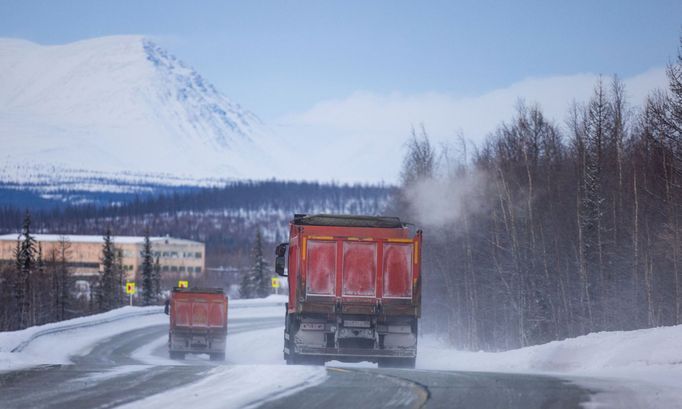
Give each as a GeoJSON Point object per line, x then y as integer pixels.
{"type": "Point", "coordinates": [354, 290]}
{"type": "Point", "coordinates": [198, 322]}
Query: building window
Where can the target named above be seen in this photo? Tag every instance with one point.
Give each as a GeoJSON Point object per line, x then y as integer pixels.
{"type": "Point", "coordinates": [197, 254]}
{"type": "Point", "coordinates": [165, 254]}
{"type": "Point", "coordinates": [182, 269]}
{"type": "Point", "coordinates": [174, 269]}
{"type": "Point", "coordinates": [174, 254]}
{"type": "Point", "coordinates": [197, 269]}
{"type": "Point", "coordinates": [164, 268]}
{"type": "Point", "coordinates": [157, 254]}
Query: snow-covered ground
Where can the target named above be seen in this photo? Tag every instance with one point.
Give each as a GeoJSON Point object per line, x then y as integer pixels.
{"type": "Point", "coordinates": [56, 348]}
{"type": "Point", "coordinates": [629, 369]}
{"type": "Point", "coordinates": [633, 369]}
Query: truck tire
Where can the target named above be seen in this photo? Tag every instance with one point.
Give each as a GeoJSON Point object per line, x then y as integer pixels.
{"type": "Point", "coordinates": [217, 356]}
{"type": "Point", "coordinates": [178, 355]}
{"type": "Point", "coordinates": [407, 363]}
{"type": "Point", "coordinates": [292, 357]}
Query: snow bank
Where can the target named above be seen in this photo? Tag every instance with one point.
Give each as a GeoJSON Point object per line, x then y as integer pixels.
{"type": "Point", "coordinates": [53, 344]}
{"type": "Point", "coordinates": [16, 340]}
{"type": "Point", "coordinates": [635, 369]}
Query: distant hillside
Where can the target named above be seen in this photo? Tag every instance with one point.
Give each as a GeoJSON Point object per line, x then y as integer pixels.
{"type": "Point", "coordinates": [225, 218]}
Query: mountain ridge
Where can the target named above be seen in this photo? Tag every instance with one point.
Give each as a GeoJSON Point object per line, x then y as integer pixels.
{"type": "Point", "coordinates": [121, 104]}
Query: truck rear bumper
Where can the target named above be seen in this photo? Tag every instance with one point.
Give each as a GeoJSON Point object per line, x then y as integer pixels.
{"type": "Point", "coordinates": [356, 352]}
{"type": "Point", "coordinates": [197, 343]}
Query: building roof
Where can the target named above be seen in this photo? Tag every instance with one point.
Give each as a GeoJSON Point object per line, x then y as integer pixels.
{"type": "Point", "coordinates": [77, 238]}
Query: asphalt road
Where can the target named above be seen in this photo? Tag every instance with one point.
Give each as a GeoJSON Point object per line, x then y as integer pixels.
{"type": "Point", "coordinates": [92, 382]}
{"type": "Point", "coordinates": [400, 388]}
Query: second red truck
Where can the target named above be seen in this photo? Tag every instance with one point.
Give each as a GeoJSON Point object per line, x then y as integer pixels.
{"type": "Point", "coordinates": [198, 322]}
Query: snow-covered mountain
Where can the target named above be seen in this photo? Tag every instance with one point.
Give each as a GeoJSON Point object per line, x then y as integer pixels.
{"type": "Point", "coordinates": [120, 106]}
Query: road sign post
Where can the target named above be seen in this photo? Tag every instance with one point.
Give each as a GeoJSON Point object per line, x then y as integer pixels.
{"type": "Point", "coordinates": [130, 290]}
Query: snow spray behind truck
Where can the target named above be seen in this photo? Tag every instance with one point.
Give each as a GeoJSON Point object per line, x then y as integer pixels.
{"type": "Point", "coordinates": [198, 322]}
{"type": "Point", "coordinates": [354, 289]}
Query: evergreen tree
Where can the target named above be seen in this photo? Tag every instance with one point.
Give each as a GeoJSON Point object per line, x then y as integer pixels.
{"type": "Point", "coordinates": [147, 271]}
{"type": "Point", "coordinates": [255, 282]}
{"type": "Point", "coordinates": [25, 265]}
{"type": "Point", "coordinates": [156, 279]}
{"type": "Point", "coordinates": [40, 293]}
{"type": "Point", "coordinates": [7, 298]}
{"type": "Point", "coordinates": [107, 278]}
{"type": "Point", "coordinates": [59, 271]}
{"type": "Point", "coordinates": [120, 279]}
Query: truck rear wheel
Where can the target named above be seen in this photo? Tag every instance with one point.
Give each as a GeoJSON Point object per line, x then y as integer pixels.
{"type": "Point", "coordinates": [177, 355]}
{"type": "Point", "coordinates": [408, 363]}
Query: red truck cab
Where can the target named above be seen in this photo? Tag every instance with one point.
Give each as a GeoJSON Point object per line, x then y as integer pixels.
{"type": "Point", "coordinates": [198, 322]}
{"type": "Point", "coordinates": [354, 289]}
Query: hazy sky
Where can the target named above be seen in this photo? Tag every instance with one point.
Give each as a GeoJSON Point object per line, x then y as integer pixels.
{"type": "Point", "coordinates": [348, 79]}
{"type": "Point", "coordinates": [277, 57]}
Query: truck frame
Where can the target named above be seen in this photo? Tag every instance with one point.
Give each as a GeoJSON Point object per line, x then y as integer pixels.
{"type": "Point", "coordinates": [354, 289]}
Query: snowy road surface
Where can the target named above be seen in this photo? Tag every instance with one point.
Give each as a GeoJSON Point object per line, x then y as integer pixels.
{"type": "Point", "coordinates": [124, 370]}
{"type": "Point", "coordinates": [125, 364]}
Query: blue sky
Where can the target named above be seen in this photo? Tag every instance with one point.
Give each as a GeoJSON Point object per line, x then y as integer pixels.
{"type": "Point", "coordinates": [283, 57]}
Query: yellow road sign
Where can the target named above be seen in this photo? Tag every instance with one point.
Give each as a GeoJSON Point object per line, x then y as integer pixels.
{"type": "Point", "coordinates": [183, 284]}
{"type": "Point", "coordinates": [130, 288]}
{"type": "Point", "coordinates": [275, 282]}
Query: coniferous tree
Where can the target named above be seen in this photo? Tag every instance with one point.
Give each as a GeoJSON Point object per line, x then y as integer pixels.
{"type": "Point", "coordinates": [25, 266]}
{"type": "Point", "coordinates": [156, 279]}
{"type": "Point", "coordinates": [107, 277]}
{"type": "Point", "coordinates": [255, 282]}
{"type": "Point", "coordinates": [260, 268]}
{"type": "Point", "coordinates": [61, 280]}
{"type": "Point", "coordinates": [120, 279]}
{"type": "Point", "coordinates": [147, 271]}
{"type": "Point", "coordinates": [7, 298]}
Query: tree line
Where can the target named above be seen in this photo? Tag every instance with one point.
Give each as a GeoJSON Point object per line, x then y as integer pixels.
{"type": "Point", "coordinates": [224, 218]}
{"type": "Point", "coordinates": [551, 231]}
{"type": "Point", "coordinates": [38, 288]}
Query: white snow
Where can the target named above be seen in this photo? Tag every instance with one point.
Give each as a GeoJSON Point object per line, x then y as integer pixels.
{"type": "Point", "coordinates": [241, 386]}
{"type": "Point", "coordinates": [632, 369]}
{"type": "Point", "coordinates": [120, 104]}
{"type": "Point", "coordinates": [59, 347]}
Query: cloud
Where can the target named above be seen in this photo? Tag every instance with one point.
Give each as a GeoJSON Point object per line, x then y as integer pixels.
{"type": "Point", "coordinates": [361, 137]}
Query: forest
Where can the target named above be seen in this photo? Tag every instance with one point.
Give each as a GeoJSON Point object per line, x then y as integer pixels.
{"type": "Point", "coordinates": [553, 230]}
